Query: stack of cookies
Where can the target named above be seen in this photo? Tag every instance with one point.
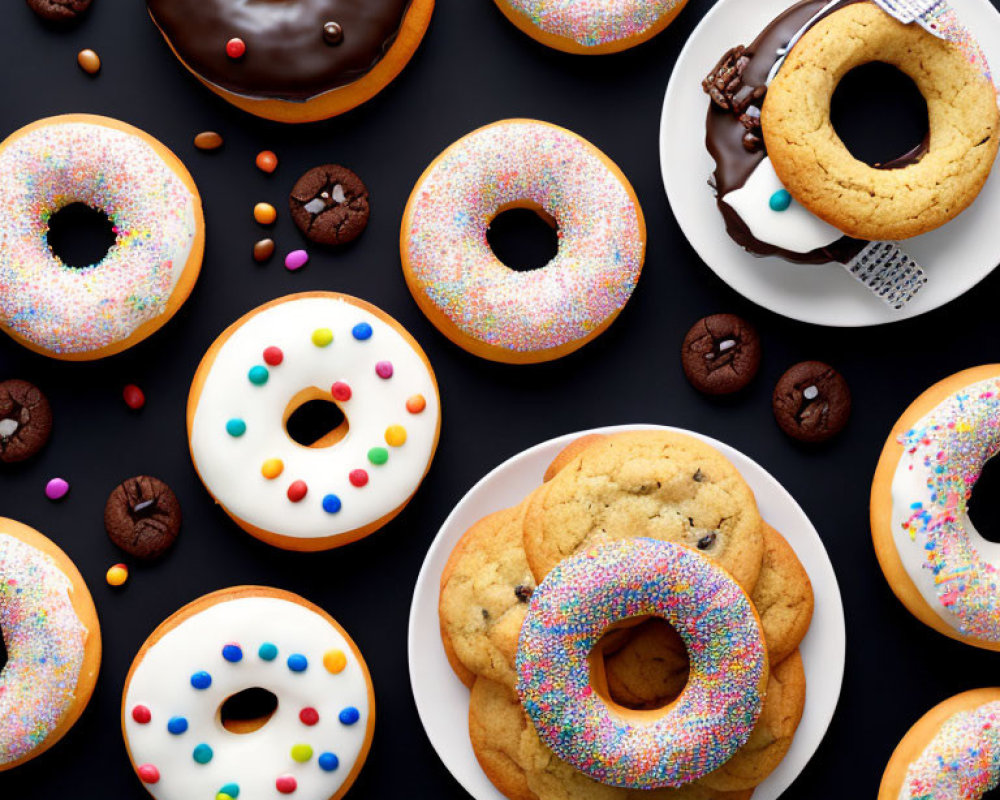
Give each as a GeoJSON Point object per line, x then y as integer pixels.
{"type": "Point", "coordinates": [653, 484]}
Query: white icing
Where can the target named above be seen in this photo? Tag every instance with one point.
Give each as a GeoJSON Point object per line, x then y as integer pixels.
{"type": "Point", "coordinates": [253, 761]}
{"type": "Point", "coordinates": [231, 466]}
{"type": "Point", "coordinates": [794, 229]}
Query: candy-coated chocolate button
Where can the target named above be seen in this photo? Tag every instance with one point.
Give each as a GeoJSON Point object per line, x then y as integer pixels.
{"type": "Point", "coordinates": [266, 161]}
{"type": "Point", "coordinates": [341, 391]}
{"type": "Point", "coordinates": [148, 773]}
{"type": "Point", "coordinates": [117, 575]}
{"type": "Point", "coordinates": [177, 725]}
{"type": "Point", "coordinates": [233, 653]}
{"type": "Point", "coordinates": [297, 662]}
{"type": "Point", "coordinates": [378, 456]}
{"type": "Point", "coordinates": [268, 651]}
{"type": "Point", "coordinates": [334, 661]}
{"type": "Point", "coordinates": [384, 369]}
{"type": "Point", "coordinates": [297, 491]}
{"type": "Point", "coordinates": [272, 468]}
{"type": "Point", "coordinates": [309, 716]}
{"type": "Point", "coordinates": [416, 404]}
{"type": "Point", "coordinates": [202, 753]}
{"type": "Point", "coordinates": [349, 715]}
{"type": "Point", "coordinates": [395, 436]}
{"type": "Point", "coordinates": [322, 337]}
{"type": "Point", "coordinates": [331, 504]}
{"type": "Point", "coordinates": [328, 762]}
{"type": "Point", "coordinates": [286, 784]}
{"type": "Point", "coordinates": [265, 213]}
{"type": "Point", "coordinates": [358, 477]}
{"type": "Point", "coordinates": [142, 715]}
{"type": "Point", "coordinates": [236, 427]}
{"type": "Point", "coordinates": [297, 259]}
{"type": "Point", "coordinates": [362, 331]}
{"type": "Point", "coordinates": [201, 680]}
{"type": "Point", "coordinates": [236, 48]}
{"type": "Point", "coordinates": [273, 356]}
{"type": "Point", "coordinates": [258, 375]}
{"type": "Point", "coordinates": [301, 753]}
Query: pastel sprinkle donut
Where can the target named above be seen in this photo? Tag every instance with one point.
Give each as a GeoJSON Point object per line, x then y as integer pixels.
{"type": "Point", "coordinates": [53, 643]}
{"type": "Point", "coordinates": [570, 706]}
{"type": "Point", "coordinates": [476, 300]}
{"type": "Point", "coordinates": [264, 714]}
{"type": "Point", "coordinates": [155, 211]}
{"type": "Point", "coordinates": [298, 350]}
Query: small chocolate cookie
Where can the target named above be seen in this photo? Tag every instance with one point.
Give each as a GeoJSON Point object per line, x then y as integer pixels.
{"type": "Point", "coordinates": [721, 354]}
{"type": "Point", "coordinates": [330, 205]}
{"type": "Point", "coordinates": [812, 402]}
{"type": "Point", "coordinates": [25, 420]}
{"type": "Point", "coordinates": [59, 10]}
{"type": "Point", "coordinates": [143, 517]}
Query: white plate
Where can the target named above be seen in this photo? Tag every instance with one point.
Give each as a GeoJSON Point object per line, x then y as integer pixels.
{"type": "Point", "coordinates": [956, 256]}
{"type": "Point", "coordinates": [443, 701]}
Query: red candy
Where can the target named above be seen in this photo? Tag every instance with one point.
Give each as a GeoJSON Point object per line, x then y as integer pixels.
{"type": "Point", "coordinates": [286, 784]}
{"type": "Point", "coordinates": [273, 356]}
{"type": "Point", "coordinates": [133, 396]}
{"type": "Point", "coordinates": [297, 491]}
{"type": "Point", "coordinates": [141, 714]}
{"type": "Point", "coordinates": [148, 773]}
{"type": "Point", "coordinates": [341, 391]}
{"type": "Point", "coordinates": [309, 716]}
{"type": "Point", "coordinates": [358, 477]}
{"type": "Point", "coordinates": [235, 48]}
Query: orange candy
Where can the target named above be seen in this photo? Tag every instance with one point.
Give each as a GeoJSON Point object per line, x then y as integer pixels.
{"type": "Point", "coordinates": [416, 404]}
{"type": "Point", "coordinates": [265, 213]}
{"type": "Point", "coordinates": [267, 161]}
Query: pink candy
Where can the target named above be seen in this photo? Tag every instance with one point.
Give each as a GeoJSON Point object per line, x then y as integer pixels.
{"type": "Point", "coordinates": [297, 259]}
{"type": "Point", "coordinates": [56, 489]}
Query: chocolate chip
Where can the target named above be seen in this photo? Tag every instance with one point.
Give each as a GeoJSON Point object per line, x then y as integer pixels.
{"type": "Point", "coordinates": [707, 541]}
{"type": "Point", "coordinates": [330, 205]}
{"type": "Point", "coordinates": [333, 33]}
{"type": "Point", "coordinates": [486, 614]}
{"type": "Point", "coordinates": [523, 593]}
{"type": "Point", "coordinates": [698, 476]}
{"type": "Point", "coordinates": [752, 142]}
{"type": "Point", "coordinates": [812, 402]}
{"type": "Point", "coordinates": [61, 11]}
{"type": "Point", "coordinates": [143, 517]}
{"type": "Point", "coordinates": [721, 354]}
{"type": "Point", "coordinates": [25, 420]}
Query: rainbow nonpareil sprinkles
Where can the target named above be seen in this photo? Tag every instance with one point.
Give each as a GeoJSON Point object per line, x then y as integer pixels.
{"type": "Point", "coordinates": [45, 643]}
{"type": "Point", "coordinates": [946, 451]}
{"type": "Point", "coordinates": [601, 237]}
{"type": "Point", "coordinates": [594, 22]}
{"type": "Point", "coordinates": [961, 761]}
{"type": "Point", "coordinates": [575, 605]}
{"type": "Point", "coordinates": [67, 310]}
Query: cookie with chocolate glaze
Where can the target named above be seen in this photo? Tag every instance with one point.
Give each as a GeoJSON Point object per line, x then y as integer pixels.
{"type": "Point", "coordinates": [330, 205]}
{"type": "Point", "coordinates": [25, 420]}
{"type": "Point", "coordinates": [721, 354]}
{"type": "Point", "coordinates": [143, 517]}
{"type": "Point", "coordinates": [59, 11]}
{"type": "Point", "coordinates": [812, 402]}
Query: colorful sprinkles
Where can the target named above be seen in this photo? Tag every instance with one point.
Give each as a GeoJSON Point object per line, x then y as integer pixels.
{"type": "Point", "coordinates": [591, 24]}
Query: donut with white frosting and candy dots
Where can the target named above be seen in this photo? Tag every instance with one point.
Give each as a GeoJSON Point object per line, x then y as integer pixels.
{"type": "Point", "coordinates": [228, 649]}
{"type": "Point", "coordinates": [356, 477]}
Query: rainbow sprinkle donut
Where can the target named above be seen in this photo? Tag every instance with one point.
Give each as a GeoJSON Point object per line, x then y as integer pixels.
{"type": "Point", "coordinates": [476, 300]}
{"type": "Point", "coordinates": [587, 594]}
{"type": "Point", "coordinates": [153, 206]}
{"type": "Point", "coordinates": [53, 643]}
{"type": "Point", "coordinates": [310, 740]}
{"type": "Point", "coordinates": [932, 554]}
{"type": "Point", "coordinates": [315, 346]}
{"type": "Point", "coordinates": [591, 27]}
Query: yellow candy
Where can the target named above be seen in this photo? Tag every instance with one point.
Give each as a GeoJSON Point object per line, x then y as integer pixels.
{"type": "Point", "coordinates": [265, 213]}
{"type": "Point", "coordinates": [334, 661]}
{"type": "Point", "coordinates": [272, 468]}
{"type": "Point", "coordinates": [117, 575]}
{"type": "Point", "coordinates": [322, 337]}
{"type": "Point", "coordinates": [395, 436]}
{"type": "Point", "coordinates": [301, 752]}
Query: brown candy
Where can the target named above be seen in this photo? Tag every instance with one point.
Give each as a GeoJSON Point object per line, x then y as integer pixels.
{"type": "Point", "coordinates": [208, 140]}
{"type": "Point", "coordinates": [143, 517]}
{"type": "Point", "coordinates": [263, 250]}
{"type": "Point", "coordinates": [89, 61]}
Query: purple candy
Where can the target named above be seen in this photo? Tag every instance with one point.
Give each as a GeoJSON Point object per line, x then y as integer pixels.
{"type": "Point", "coordinates": [297, 259]}
{"type": "Point", "coordinates": [56, 489]}
{"type": "Point", "coordinates": [384, 369]}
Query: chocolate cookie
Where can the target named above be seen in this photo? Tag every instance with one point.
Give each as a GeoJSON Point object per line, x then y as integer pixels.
{"type": "Point", "coordinates": [143, 517]}
{"type": "Point", "coordinates": [812, 402]}
{"type": "Point", "coordinates": [25, 420]}
{"type": "Point", "coordinates": [59, 10]}
{"type": "Point", "coordinates": [721, 354]}
{"type": "Point", "coordinates": [329, 204]}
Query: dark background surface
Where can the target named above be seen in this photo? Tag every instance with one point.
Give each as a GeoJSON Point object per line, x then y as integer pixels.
{"type": "Point", "coordinates": [472, 69]}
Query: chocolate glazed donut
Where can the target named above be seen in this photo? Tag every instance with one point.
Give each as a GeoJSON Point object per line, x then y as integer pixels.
{"type": "Point", "coordinates": [292, 53]}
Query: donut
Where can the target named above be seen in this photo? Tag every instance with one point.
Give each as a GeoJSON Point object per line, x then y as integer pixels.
{"type": "Point", "coordinates": [150, 199]}
{"type": "Point", "coordinates": [566, 698]}
{"type": "Point", "coordinates": [227, 650]}
{"type": "Point", "coordinates": [591, 28]}
{"type": "Point", "coordinates": [298, 61]}
{"type": "Point", "coordinates": [936, 562]}
{"type": "Point", "coordinates": [314, 346]}
{"type": "Point", "coordinates": [53, 642]}
{"type": "Point", "coordinates": [951, 751]}
{"type": "Point", "coordinates": [475, 299]}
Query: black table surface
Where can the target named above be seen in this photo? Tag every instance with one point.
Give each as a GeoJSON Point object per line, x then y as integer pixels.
{"type": "Point", "coordinates": [473, 68]}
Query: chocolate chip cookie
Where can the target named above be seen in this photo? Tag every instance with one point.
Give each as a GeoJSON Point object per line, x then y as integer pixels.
{"type": "Point", "coordinates": [143, 517]}
{"type": "Point", "coordinates": [812, 402]}
{"type": "Point", "coordinates": [783, 597]}
{"type": "Point", "coordinates": [25, 420]}
{"type": "Point", "coordinates": [330, 205]}
{"type": "Point", "coordinates": [721, 354]}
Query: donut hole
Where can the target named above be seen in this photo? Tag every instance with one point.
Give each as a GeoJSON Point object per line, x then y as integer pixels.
{"type": "Point", "coordinates": [983, 510]}
{"type": "Point", "coordinates": [248, 711]}
{"type": "Point", "coordinates": [639, 664]}
{"type": "Point", "coordinates": [80, 236]}
{"type": "Point", "coordinates": [879, 114]}
{"type": "Point", "coordinates": [524, 238]}
{"type": "Point", "coordinates": [314, 420]}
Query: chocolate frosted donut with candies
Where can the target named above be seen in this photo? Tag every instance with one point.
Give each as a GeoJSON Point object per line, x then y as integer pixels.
{"type": "Point", "coordinates": [248, 692]}
{"type": "Point", "coordinates": [476, 300]}
{"type": "Point", "coordinates": [591, 28]}
{"type": "Point", "coordinates": [346, 481]}
{"type": "Point", "coordinates": [935, 560]}
{"type": "Point", "coordinates": [150, 200]}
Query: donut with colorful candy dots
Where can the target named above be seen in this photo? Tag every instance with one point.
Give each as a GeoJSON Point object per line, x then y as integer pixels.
{"type": "Point", "coordinates": [53, 643]}
{"type": "Point", "coordinates": [477, 301]}
{"type": "Point", "coordinates": [314, 346]}
{"type": "Point", "coordinates": [588, 27]}
{"type": "Point", "coordinates": [248, 692]}
{"type": "Point", "coordinates": [565, 694]}
{"type": "Point", "coordinates": [951, 751]}
{"type": "Point", "coordinates": [153, 207]}
{"type": "Point", "coordinates": [936, 562]}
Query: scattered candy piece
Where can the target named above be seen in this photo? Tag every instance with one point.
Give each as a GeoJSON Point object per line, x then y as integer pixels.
{"type": "Point", "coordinates": [263, 250]}
{"type": "Point", "coordinates": [416, 404]}
{"type": "Point", "coordinates": [780, 200]}
{"type": "Point", "coordinates": [384, 369]}
{"type": "Point", "coordinates": [349, 715]}
{"type": "Point", "coordinates": [133, 397]}
{"type": "Point", "coordinates": [201, 680]}
{"type": "Point", "coordinates": [322, 337]}
{"type": "Point", "coordinates": [208, 140]}
{"type": "Point", "coordinates": [395, 436]}
{"type": "Point", "coordinates": [378, 456]}
{"type": "Point", "coordinates": [89, 61]}
{"type": "Point", "coordinates": [272, 468]}
{"type": "Point", "coordinates": [265, 213]}
{"type": "Point", "coordinates": [297, 491]}
{"type": "Point", "coordinates": [258, 375]}
{"type": "Point", "coordinates": [268, 652]}
{"type": "Point", "coordinates": [297, 259]}
{"type": "Point", "coordinates": [236, 427]}
{"type": "Point", "coordinates": [266, 161]}
{"type": "Point", "coordinates": [230, 791]}
{"type": "Point", "coordinates": [286, 784]}
{"type": "Point", "coordinates": [333, 33]}
{"type": "Point", "coordinates": [328, 762]}
{"type": "Point", "coordinates": [202, 754]}
{"type": "Point", "coordinates": [56, 489]}
{"type": "Point", "coordinates": [236, 48]}
{"type": "Point", "coordinates": [334, 661]}
{"type": "Point", "coordinates": [177, 725]}
{"type": "Point", "coordinates": [297, 662]}
{"type": "Point", "coordinates": [148, 773]}
{"type": "Point", "coordinates": [273, 356]}
{"type": "Point", "coordinates": [142, 715]}
{"type": "Point", "coordinates": [358, 477]}
{"type": "Point", "coordinates": [233, 653]}
{"type": "Point", "coordinates": [362, 331]}
{"type": "Point", "coordinates": [301, 753]}
{"type": "Point", "coordinates": [331, 504]}
{"type": "Point", "coordinates": [341, 391]}
{"type": "Point", "coordinates": [309, 716]}
{"type": "Point", "coordinates": [117, 575]}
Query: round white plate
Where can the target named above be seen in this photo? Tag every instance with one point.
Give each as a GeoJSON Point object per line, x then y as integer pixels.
{"type": "Point", "coordinates": [443, 701]}
{"type": "Point", "coordinates": [956, 256]}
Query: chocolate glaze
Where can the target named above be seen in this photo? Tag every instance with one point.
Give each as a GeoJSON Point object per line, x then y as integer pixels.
{"type": "Point", "coordinates": [287, 56]}
{"type": "Point", "coordinates": [734, 163]}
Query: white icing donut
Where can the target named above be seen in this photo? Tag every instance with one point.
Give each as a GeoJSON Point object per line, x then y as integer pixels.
{"type": "Point", "coordinates": [314, 743]}
{"type": "Point", "coordinates": [302, 347]}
